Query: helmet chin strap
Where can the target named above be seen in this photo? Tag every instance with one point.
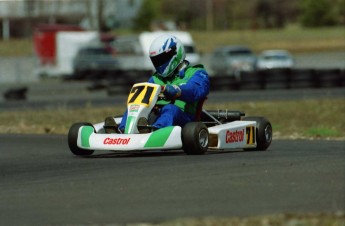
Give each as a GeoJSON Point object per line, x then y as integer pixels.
{"type": "Point", "coordinates": [181, 68]}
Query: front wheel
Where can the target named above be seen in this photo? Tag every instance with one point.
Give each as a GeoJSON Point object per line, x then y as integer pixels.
{"type": "Point", "coordinates": [264, 132]}
{"type": "Point", "coordinates": [195, 138]}
{"type": "Point", "coordinates": [73, 139]}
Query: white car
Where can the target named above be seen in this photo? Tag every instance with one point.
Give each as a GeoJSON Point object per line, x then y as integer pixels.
{"type": "Point", "coordinates": [271, 59]}
{"type": "Point", "coordinates": [232, 60]}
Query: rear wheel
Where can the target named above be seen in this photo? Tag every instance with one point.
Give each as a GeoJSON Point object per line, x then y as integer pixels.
{"type": "Point", "coordinates": [73, 139]}
{"type": "Point", "coordinates": [264, 132]}
{"type": "Point", "coordinates": [195, 138]}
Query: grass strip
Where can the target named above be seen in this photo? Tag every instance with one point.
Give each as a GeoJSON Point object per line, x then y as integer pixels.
{"type": "Point", "coordinates": [293, 38]}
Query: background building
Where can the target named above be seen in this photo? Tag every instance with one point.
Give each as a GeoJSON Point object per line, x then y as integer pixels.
{"type": "Point", "coordinates": [19, 17]}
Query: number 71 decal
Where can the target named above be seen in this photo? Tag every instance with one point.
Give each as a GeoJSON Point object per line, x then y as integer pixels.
{"type": "Point", "coordinates": [141, 94]}
{"type": "Point", "coordinates": [250, 133]}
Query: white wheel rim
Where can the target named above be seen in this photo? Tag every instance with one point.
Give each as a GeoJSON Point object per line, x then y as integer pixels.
{"type": "Point", "coordinates": [203, 138]}
{"type": "Point", "coordinates": [268, 133]}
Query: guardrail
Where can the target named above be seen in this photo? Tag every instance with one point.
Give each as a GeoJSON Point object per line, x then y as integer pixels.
{"type": "Point", "coordinates": [260, 80]}
{"type": "Point", "coordinates": [281, 79]}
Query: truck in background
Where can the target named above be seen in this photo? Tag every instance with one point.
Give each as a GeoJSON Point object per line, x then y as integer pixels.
{"type": "Point", "coordinates": [66, 51]}
{"type": "Point", "coordinates": [55, 47]}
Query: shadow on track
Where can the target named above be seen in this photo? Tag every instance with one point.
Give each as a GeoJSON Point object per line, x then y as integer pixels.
{"type": "Point", "coordinates": [146, 154]}
{"type": "Point", "coordinates": [135, 154]}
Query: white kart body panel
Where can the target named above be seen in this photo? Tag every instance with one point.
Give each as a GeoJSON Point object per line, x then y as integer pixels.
{"type": "Point", "coordinates": [237, 134]}
{"type": "Point", "coordinates": [166, 138]}
{"type": "Point", "coordinates": [232, 135]}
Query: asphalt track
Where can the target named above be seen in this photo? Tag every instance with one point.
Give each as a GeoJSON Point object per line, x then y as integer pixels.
{"type": "Point", "coordinates": [66, 96]}
{"type": "Point", "coordinates": [42, 183]}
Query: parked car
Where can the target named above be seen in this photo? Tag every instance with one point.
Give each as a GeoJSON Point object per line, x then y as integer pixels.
{"type": "Point", "coordinates": [232, 60]}
{"type": "Point", "coordinates": [271, 59]}
{"type": "Point", "coordinates": [94, 62]}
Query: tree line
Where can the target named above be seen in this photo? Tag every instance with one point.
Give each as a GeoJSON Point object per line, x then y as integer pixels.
{"type": "Point", "coordinates": [241, 14]}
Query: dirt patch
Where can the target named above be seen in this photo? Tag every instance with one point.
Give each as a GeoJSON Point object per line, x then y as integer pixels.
{"type": "Point", "coordinates": [312, 219]}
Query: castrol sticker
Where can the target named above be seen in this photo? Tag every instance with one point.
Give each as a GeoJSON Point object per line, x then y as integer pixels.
{"type": "Point", "coordinates": [116, 141]}
{"type": "Point", "coordinates": [234, 136]}
{"type": "Point", "coordinates": [134, 108]}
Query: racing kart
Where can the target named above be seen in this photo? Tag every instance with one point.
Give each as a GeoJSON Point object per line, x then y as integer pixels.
{"type": "Point", "coordinates": [213, 129]}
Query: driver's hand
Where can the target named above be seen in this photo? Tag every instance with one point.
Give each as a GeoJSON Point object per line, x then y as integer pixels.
{"type": "Point", "coordinates": [172, 92]}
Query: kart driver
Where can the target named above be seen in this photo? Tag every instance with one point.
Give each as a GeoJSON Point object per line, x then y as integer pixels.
{"type": "Point", "coordinates": [184, 87]}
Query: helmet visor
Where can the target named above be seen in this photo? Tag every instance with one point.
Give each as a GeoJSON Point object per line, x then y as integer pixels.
{"type": "Point", "coordinates": [163, 59]}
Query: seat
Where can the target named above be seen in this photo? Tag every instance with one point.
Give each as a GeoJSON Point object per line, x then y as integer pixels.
{"type": "Point", "coordinates": [199, 109]}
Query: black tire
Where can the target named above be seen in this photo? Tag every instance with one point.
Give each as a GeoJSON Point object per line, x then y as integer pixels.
{"type": "Point", "coordinates": [195, 138]}
{"type": "Point", "coordinates": [264, 132]}
{"type": "Point", "coordinates": [73, 137]}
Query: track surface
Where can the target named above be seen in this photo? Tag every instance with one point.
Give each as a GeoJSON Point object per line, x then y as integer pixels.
{"type": "Point", "coordinates": [59, 95]}
{"type": "Point", "coordinates": [42, 183]}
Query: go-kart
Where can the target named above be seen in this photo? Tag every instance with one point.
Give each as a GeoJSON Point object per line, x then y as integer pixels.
{"type": "Point", "coordinates": [213, 130]}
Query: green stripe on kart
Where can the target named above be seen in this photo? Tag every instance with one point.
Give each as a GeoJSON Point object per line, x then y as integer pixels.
{"type": "Point", "coordinates": [129, 124]}
{"type": "Point", "coordinates": [159, 137]}
{"type": "Point", "coordinates": [86, 132]}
